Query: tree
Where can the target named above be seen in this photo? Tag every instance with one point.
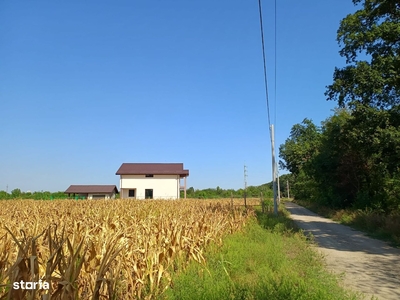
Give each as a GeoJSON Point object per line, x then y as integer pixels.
{"type": "Point", "coordinates": [354, 160]}
{"type": "Point", "coordinates": [335, 164]}
{"type": "Point", "coordinates": [374, 137]}
{"type": "Point", "coordinates": [298, 153]}
{"type": "Point", "coordinates": [16, 193]}
{"type": "Point", "coordinates": [300, 147]}
{"type": "Point", "coordinates": [367, 170]}
{"type": "Point", "coordinates": [371, 45]}
{"type": "Point", "coordinates": [4, 195]}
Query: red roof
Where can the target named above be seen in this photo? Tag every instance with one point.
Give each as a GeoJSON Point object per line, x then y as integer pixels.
{"type": "Point", "coordinates": [152, 168]}
{"type": "Point", "coordinates": [91, 189]}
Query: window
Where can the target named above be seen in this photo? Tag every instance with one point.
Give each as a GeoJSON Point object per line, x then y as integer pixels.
{"type": "Point", "coordinates": [98, 196]}
{"type": "Point", "coordinates": [148, 193]}
{"type": "Point", "coordinates": [149, 175]}
{"type": "Point", "coordinates": [131, 194]}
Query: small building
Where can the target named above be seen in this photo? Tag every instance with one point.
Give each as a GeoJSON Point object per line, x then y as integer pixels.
{"type": "Point", "coordinates": [152, 180]}
{"type": "Point", "coordinates": [92, 191]}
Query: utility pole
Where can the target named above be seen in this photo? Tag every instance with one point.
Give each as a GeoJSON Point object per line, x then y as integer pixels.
{"type": "Point", "coordinates": [7, 189]}
{"type": "Point", "coordinates": [287, 186]}
{"type": "Point", "coordinates": [245, 185]}
{"type": "Point", "coordinates": [279, 189]}
{"type": "Point", "coordinates": [273, 169]}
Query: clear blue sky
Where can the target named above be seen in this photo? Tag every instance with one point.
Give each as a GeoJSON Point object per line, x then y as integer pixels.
{"type": "Point", "coordinates": [88, 85]}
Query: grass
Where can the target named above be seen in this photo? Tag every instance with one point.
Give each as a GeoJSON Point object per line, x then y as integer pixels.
{"type": "Point", "coordinates": [268, 259]}
{"type": "Point", "coordinates": [375, 223]}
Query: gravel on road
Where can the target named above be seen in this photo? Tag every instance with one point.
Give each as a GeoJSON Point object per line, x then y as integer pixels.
{"type": "Point", "coordinates": [368, 265]}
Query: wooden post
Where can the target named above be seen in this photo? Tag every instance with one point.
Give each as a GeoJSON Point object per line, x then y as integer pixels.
{"type": "Point", "coordinates": [231, 200]}
{"type": "Point", "coordinates": [245, 186]}
{"type": "Point", "coordinates": [262, 203]}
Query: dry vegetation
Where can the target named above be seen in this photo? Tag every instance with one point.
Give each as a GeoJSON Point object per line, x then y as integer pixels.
{"type": "Point", "coordinates": [377, 223]}
{"type": "Point", "coordinates": [106, 249]}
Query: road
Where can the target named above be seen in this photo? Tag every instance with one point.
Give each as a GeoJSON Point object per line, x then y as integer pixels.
{"type": "Point", "coordinates": [368, 265]}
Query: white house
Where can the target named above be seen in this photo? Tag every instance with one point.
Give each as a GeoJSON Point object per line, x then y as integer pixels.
{"type": "Point", "coordinates": [151, 180]}
{"type": "Point", "coordinates": [92, 191]}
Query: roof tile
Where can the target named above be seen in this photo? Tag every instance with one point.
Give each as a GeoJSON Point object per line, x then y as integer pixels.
{"type": "Point", "coordinates": [91, 189]}
{"type": "Point", "coordinates": [152, 168]}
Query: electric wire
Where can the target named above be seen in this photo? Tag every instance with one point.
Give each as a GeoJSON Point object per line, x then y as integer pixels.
{"type": "Point", "coordinates": [275, 89]}
{"type": "Point", "coordinates": [275, 84]}
{"type": "Point", "coordinates": [275, 172]}
{"type": "Point", "coordinates": [275, 60]}
{"type": "Point", "coordinates": [264, 61]}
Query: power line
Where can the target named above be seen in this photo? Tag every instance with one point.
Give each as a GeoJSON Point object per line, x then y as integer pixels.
{"type": "Point", "coordinates": [271, 127]}
{"type": "Point", "coordinates": [275, 60]}
{"type": "Point", "coordinates": [275, 67]}
{"type": "Point", "coordinates": [264, 61]}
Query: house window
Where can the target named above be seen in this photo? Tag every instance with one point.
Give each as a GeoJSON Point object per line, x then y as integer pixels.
{"type": "Point", "coordinates": [149, 175]}
{"type": "Point", "coordinates": [148, 193]}
{"type": "Point", "coordinates": [131, 194]}
{"type": "Point", "coordinates": [98, 196]}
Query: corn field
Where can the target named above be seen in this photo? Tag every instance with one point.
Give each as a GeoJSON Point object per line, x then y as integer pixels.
{"type": "Point", "coordinates": [106, 249]}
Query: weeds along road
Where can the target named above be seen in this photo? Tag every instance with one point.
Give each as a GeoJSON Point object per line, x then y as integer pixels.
{"type": "Point", "coordinates": [368, 265]}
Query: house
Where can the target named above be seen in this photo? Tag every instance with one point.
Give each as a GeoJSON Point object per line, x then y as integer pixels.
{"type": "Point", "coordinates": [152, 180]}
{"type": "Point", "coordinates": [92, 191]}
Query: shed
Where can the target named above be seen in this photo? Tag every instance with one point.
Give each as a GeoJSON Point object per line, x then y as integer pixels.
{"type": "Point", "coordinates": [92, 191]}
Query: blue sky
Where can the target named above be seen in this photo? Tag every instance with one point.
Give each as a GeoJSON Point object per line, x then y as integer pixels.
{"type": "Point", "coordinates": [88, 85]}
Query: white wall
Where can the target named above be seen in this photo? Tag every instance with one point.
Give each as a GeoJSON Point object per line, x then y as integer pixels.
{"type": "Point", "coordinates": [164, 186]}
{"type": "Point", "coordinates": [107, 196]}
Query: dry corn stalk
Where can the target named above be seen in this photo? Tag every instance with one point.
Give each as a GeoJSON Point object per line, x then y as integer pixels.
{"type": "Point", "coordinates": [106, 249]}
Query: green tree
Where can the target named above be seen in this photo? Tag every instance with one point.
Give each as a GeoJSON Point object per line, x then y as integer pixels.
{"type": "Point", "coordinates": [367, 171]}
{"type": "Point", "coordinates": [298, 153]}
{"type": "Point", "coordinates": [4, 195]}
{"type": "Point", "coordinates": [374, 136]}
{"type": "Point", "coordinates": [16, 193]}
{"type": "Point", "coordinates": [301, 146]}
{"type": "Point", "coordinates": [370, 42]}
{"type": "Point", "coordinates": [335, 166]}
{"type": "Point", "coordinates": [355, 161]}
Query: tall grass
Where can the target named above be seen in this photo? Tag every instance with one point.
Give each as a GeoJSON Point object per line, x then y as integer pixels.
{"type": "Point", "coordinates": [266, 260]}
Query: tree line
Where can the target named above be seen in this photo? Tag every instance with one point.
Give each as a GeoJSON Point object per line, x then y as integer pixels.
{"type": "Point", "coordinates": [352, 159]}
{"type": "Point", "coordinates": [265, 189]}
{"type": "Point", "coordinates": [42, 195]}
{"type": "Point", "coordinates": [209, 193]}
{"type": "Point", "coordinates": [214, 193]}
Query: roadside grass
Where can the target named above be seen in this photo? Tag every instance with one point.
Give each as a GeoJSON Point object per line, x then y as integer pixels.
{"type": "Point", "coordinates": [269, 259]}
{"type": "Point", "coordinates": [375, 223]}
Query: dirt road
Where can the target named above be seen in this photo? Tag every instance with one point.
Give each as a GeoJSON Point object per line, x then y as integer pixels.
{"type": "Point", "coordinates": [368, 265]}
